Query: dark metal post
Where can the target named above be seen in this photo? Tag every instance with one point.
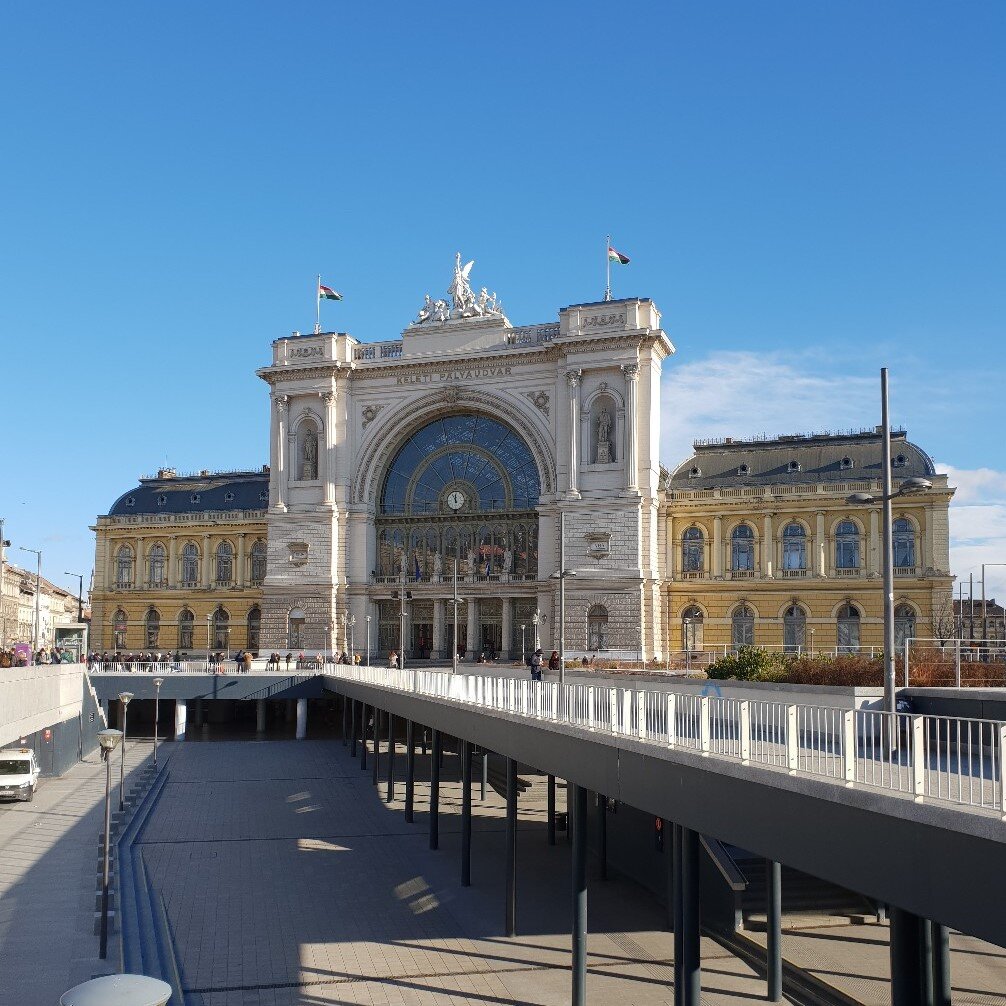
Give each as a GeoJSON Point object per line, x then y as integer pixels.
{"type": "Point", "coordinates": [363, 738]}
{"type": "Point", "coordinates": [482, 777]}
{"type": "Point", "coordinates": [435, 792]}
{"type": "Point", "coordinates": [103, 947]}
{"type": "Point", "coordinates": [602, 834]}
{"type": "Point", "coordinates": [511, 847]}
{"type": "Point", "coordinates": [410, 769]}
{"type": "Point", "coordinates": [679, 943]}
{"type": "Point", "coordinates": [669, 861]}
{"type": "Point", "coordinates": [941, 965]}
{"type": "Point", "coordinates": [345, 721]}
{"type": "Point", "coordinates": [550, 824]}
{"type": "Point", "coordinates": [773, 929]}
{"type": "Point", "coordinates": [906, 958]}
{"type": "Point", "coordinates": [926, 948]}
{"type": "Point", "coordinates": [377, 744]}
{"type": "Point", "coordinates": [466, 814]}
{"type": "Point", "coordinates": [391, 757]}
{"type": "Point", "coordinates": [352, 728]}
{"type": "Point", "coordinates": [578, 825]}
{"type": "Point", "coordinates": [691, 960]}
{"type": "Point", "coordinates": [424, 742]}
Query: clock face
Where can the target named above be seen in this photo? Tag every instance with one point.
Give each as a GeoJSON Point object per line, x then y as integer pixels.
{"type": "Point", "coordinates": [456, 500]}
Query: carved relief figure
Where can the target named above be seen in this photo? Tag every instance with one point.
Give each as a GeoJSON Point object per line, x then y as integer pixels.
{"type": "Point", "coordinates": [603, 437]}
{"type": "Point", "coordinates": [507, 560]}
{"type": "Point", "coordinates": [438, 564]}
{"type": "Point", "coordinates": [309, 456]}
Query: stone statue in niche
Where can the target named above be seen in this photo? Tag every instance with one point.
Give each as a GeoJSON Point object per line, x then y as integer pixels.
{"type": "Point", "coordinates": [507, 561]}
{"type": "Point", "coordinates": [438, 564]}
{"type": "Point", "coordinates": [471, 564]}
{"type": "Point", "coordinates": [603, 437]}
{"type": "Point", "coordinates": [309, 457]}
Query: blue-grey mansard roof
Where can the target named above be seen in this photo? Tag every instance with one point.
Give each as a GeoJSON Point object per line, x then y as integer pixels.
{"type": "Point", "coordinates": [171, 493]}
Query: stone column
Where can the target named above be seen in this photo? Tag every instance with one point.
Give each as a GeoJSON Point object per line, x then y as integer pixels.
{"type": "Point", "coordinates": [280, 448]}
{"type": "Point", "coordinates": [928, 539]}
{"type": "Point", "coordinates": [631, 372]}
{"type": "Point", "coordinates": [180, 713]}
{"type": "Point", "coordinates": [669, 547]}
{"type": "Point", "coordinates": [506, 650]}
{"type": "Point", "coordinates": [329, 399]}
{"type": "Point", "coordinates": [260, 716]}
{"type": "Point", "coordinates": [573, 381]}
{"type": "Point", "coordinates": [717, 547]}
{"type": "Point", "coordinates": [767, 548]}
{"type": "Point", "coordinates": [239, 578]}
{"type": "Point", "coordinates": [873, 566]}
{"type": "Point", "coordinates": [207, 579]}
{"type": "Point", "coordinates": [820, 547]}
{"type": "Point", "coordinates": [301, 731]}
{"type": "Point", "coordinates": [441, 646]}
{"type": "Point", "coordinates": [172, 559]}
{"type": "Point", "coordinates": [474, 643]}
{"type": "Point", "coordinates": [139, 572]}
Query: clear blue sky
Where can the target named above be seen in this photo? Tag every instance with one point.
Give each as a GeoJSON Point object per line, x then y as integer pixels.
{"type": "Point", "coordinates": [809, 187]}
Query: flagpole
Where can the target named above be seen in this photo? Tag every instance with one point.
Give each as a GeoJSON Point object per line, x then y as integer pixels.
{"type": "Point", "coordinates": [607, 266]}
{"type": "Point", "coordinates": [317, 306]}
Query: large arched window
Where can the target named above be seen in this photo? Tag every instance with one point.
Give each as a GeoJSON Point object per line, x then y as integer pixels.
{"type": "Point", "coordinates": [903, 534]}
{"type": "Point", "coordinates": [847, 545]}
{"type": "Point", "coordinates": [152, 627]}
{"type": "Point", "coordinates": [742, 549]}
{"type": "Point", "coordinates": [794, 629]}
{"type": "Point", "coordinates": [295, 628]}
{"type": "Point", "coordinates": [904, 625]}
{"type": "Point", "coordinates": [693, 550]}
{"type": "Point", "coordinates": [258, 557]}
{"type": "Point", "coordinates": [794, 547]}
{"type": "Point", "coordinates": [221, 629]}
{"type": "Point", "coordinates": [119, 626]}
{"type": "Point", "coordinates": [691, 627]}
{"type": "Point", "coordinates": [848, 628]}
{"type": "Point", "coordinates": [742, 626]}
{"type": "Point", "coordinates": [156, 565]}
{"type": "Point", "coordinates": [225, 564]}
{"type": "Point", "coordinates": [597, 627]}
{"type": "Point", "coordinates": [124, 566]}
{"type": "Point", "coordinates": [186, 624]}
{"type": "Point", "coordinates": [254, 627]}
{"type": "Point", "coordinates": [190, 565]}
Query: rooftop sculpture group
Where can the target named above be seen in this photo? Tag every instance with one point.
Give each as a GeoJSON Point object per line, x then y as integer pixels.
{"type": "Point", "coordinates": [463, 301]}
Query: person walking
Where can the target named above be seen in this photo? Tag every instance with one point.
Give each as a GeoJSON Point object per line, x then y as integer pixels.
{"type": "Point", "coordinates": [553, 661]}
{"type": "Point", "coordinates": [536, 665]}
{"type": "Point", "coordinates": [247, 660]}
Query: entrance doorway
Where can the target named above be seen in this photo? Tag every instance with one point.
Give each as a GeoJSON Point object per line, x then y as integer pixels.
{"type": "Point", "coordinates": [448, 640]}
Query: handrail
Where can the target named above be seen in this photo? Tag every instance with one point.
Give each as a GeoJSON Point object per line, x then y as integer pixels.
{"type": "Point", "coordinates": [724, 863]}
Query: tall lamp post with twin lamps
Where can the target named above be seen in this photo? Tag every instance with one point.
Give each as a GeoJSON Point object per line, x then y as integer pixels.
{"type": "Point", "coordinates": [157, 709]}
{"type": "Point", "coordinates": [108, 739]}
{"type": "Point", "coordinates": [125, 698]}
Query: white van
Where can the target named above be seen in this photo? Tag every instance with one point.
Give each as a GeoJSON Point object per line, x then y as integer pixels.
{"type": "Point", "coordinates": [18, 774]}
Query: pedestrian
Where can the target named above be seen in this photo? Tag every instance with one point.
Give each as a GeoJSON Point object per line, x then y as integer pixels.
{"type": "Point", "coordinates": [393, 659]}
{"type": "Point", "coordinates": [247, 661]}
{"type": "Point", "coordinates": [239, 659]}
{"type": "Point", "coordinates": [288, 660]}
{"type": "Point", "coordinates": [536, 665]}
{"type": "Point", "coordinates": [553, 661]}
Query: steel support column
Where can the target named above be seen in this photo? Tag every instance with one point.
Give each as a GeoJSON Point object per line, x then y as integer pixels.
{"type": "Point", "coordinates": [941, 965]}
{"type": "Point", "coordinates": [352, 727]}
{"type": "Point", "coordinates": [669, 860]}
{"type": "Point", "coordinates": [410, 769]}
{"type": "Point", "coordinates": [482, 776]}
{"type": "Point", "coordinates": [773, 930]}
{"type": "Point", "coordinates": [363, 738]}
{"type": "Point", "coordinates": [466, 813]}
{"type": "Point", "coordinates": [511, 847]}
{"type": "Point", "coordinates": [906, 958]}
{"type": "Point", "coordinates": [391, 757]}
{"type": "Point", "coordinates": [679, 944]}
{"type": "Point", "coordinates": [550, 823]}
{"type": "Point", "coordinates": [345, 721]}
{"type": "Point", "coordinates": [602, 834]}
{"type": "Point", "coordinates": [377, 745]}
{"type": "Point", "coordinates": [578, 826]}
{"type": "Point", "coordinates": [435, 792]}
{"type": "Point", "coordinates": [689, 965]}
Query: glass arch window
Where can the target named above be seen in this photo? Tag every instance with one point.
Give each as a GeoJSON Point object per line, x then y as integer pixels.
{"type": "Point", "coordinates": [903, 534]}
{"type": "Point", "coordinates": [155, 566]}
{"type": "Point", "coordinates": [742, 626]}
{"type": "Point", "coordinates": [693, 550]}
{"type": "Point", "coordinates": [225, 563]}
{"type": "Point", "coordinates": [254, 627]}
{"type": "Point", "coordinates": [848, 628]}
{"type": "Point", "coordinates": [221, 629]}
{"type": "Point", "coordinates": [904, 625]}
{"type": "Point", "coordinates": [847, 545]}
{"type": "Point", "coordinates": [691, 627]}
{"type": "Point", "coordinates": [186, 625]}
{"type": "Point", "coordinates": [258, 557]}
{"type": "Point", "coordinates": [794, 547]}
{"type": "Point", "coordinates": [124, 567]}
{"type": "Point", "coordinates": [119, 626]}
{"type": "Point", "coordinates": [597, 627]}
{"type": "Point", "coordinates": [794, 629]}
{"type": "Point", "coordinates": [742, 549]}
{"type": "Point", "coordinates": [152, 627]}
{"type": "Point", "coordinates": [190, 565]}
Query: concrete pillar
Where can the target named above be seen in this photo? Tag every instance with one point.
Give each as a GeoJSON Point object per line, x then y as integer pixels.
{"type": "Point", "coordinates": [573, 382]}
{"type": "Point", "coordinates": [180, 713]}
{"type": "Point", "coordinates": [474, 642]}
{"type": "Point", "coordinates": [466, 814]}
{"type": "Point", "coordinates": [506, 650]}
{"type": "Point", "coordinates": [281, 453]}
{"type": "Point", "coordinates": [435, 792]}
{"type": "Point", "coordinates": [391, 758]}
{"type": "Point", "coordinates": [820, 565]}
{"type": "Point", "coordinates": [676, 911]}
{"type": "Point", "coordinates": [363, 737]}
{"type": "Point", "coordinates": [602, 834]}
{"type": "Point", "coordinates": [260, 716]}
{"type": "Point", "coordinates": [441, 644]}
{"type": "Point", "coordinates": [410, 769]}
{"type": "Point", "coordinates": [377, 744]}
{"type": "Point", "coordinates": [511, 848]}
{"type": "Point", "coordinates": [550, 823]}
{"type": "Point", "coordinates": [483, 773]}
{"type": "Point", "coordinates": [773, 929]}
{"type": "Point", "coordinates": [687, 957]}
{"type": "Point", "coordinates": [301, 719]}
{"type": "Point", "coordinates": [578, 827]}
{"type": "Point", "coordinates": [631, 372]}
{"type": "Point", "coordinates": [290, 710]}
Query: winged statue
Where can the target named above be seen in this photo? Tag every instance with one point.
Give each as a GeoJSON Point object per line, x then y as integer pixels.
{"type": "Point", "coordinates": [462, 301]}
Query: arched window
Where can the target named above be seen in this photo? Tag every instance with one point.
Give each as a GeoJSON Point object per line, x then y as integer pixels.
{"type": "Point", "coordinates": [221, 629]}
{"type": "Point", "coordinates": [190, 565]}
{"type": "Point", "coordinates": [119, 625]}
{"type": "Point", "coordinates": [848, 628]}
{"type": "Point", "coordinates": [903, 534]}
{"type": "Point", "coordinates": [124, 566]}
{"type": "Point", "coordinates": [258, 556]}
{"type": "Point", "coordinates": [254, 627]}
{"type": "Point", "coordinates": [152, 627]}
{"type": "Point", "coordinates": [225, 564]}
{"type": "Point", "coordinates": [691, 627]}
{"type": "Point", "coordinates": [846, 545]}
{"type": "Point", "coordinates": [742, 549]}
{"type": "Point", "coordinates": [794, 547]}
{"type": "Point", "coordinates": [794, 629]}
{"type": "Point", "coordinates": [693, 550]}
{"type": "Point", "coordinates": [308, 452]}
{"type": "Point", "coordinates": [295, 629]}
{"type": "Point", "coordinates": [904, 625]}
{"type": "Point", "coordinates": [597, 627]}
{"type": "Point", "coordinates": [186, 624]}
{"type": "Point", "coordinates": [155, 565]}
{"type": "Point", "coordinates": [742, 626]}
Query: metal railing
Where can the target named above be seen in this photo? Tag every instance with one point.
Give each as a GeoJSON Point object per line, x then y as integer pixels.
{"type": "Point", "coordinates": [928, 758]}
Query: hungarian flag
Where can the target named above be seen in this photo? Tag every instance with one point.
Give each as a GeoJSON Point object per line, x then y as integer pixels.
{"type": "Point", "coordinates": [617, 256]}
{"type": "Point", "coordinates": [327, 293]}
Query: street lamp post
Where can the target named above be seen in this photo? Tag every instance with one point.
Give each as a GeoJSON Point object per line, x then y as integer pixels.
{"type": "Point", "coordinates": [108, 740]}
{"type": "Point", "coordinates": [157, 709]}
{"type": "Point", "coordinates": [455, 601]}
{"type": "Point", "coordinates": [522, 647]}
{"type": "Point", "coordinates": [687, 623]}
{"type": "Point", "coordinates": [561, 575]}
{"type": "Point", "coordinates": [38, 588]}
{"type": "Point", "coordinates": [536, 621]}
{"type": "Point", "coordinates": [812, 631]}
{"type": "Point", "coordinates": [80, 594]}
{"type": "Point", "coordinates": [125, 698]}
{"type": "Point", "coordinates": [368, 639]}
{"type": "Point", "coordinates": [352, 647]}
{"type": "Point", "coordinates": [985, 619]}
{"type": "Point", "coordinates": [401, 626]}
{"type": "Point", "coordinates": [209, 623]}
{"type": "Point", "coordinates": [908, 487]}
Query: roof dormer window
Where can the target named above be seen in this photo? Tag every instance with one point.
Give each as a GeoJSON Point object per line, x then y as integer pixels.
{"type": "Point", "coordinates": [846, 463]}
{"type": "Point", "coordinates": [131, 501]}
{"type": "Point", "coordinates": [793, 466]}
{"type": "Point", "coordinates": [694, 472]}
{"type": "Point", "coordinates": [899, 462]}
{"type": "Point", "coordinates": [228, 497]}
{"type": "Point", "coordinates": [744, 469]}
{"type": "Point", "coordinates": [162, 500]}
{"type": "Point", "coordinates": [195, 498]}
{"type": "Point", "coordinates": [263, 496]}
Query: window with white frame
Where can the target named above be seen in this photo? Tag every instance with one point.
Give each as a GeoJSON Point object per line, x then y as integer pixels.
{"type": "Point", "coordinates": [742, 626]}
{"type": "Point", "coordinates": [742, 549]}
{"type": "Point", "coordinates": [847, 545]}
{"type": "Point", "coordinates": [794, 546]}
{"type": "Point", "coordinates": [903, 534]}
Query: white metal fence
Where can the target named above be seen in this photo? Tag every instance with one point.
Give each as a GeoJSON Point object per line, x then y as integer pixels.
{"type": "Point", "coordinates": [928, 758]}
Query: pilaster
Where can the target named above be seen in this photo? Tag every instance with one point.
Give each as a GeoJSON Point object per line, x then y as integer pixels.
{"type": "Point", "coordinates": [631, 373]}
